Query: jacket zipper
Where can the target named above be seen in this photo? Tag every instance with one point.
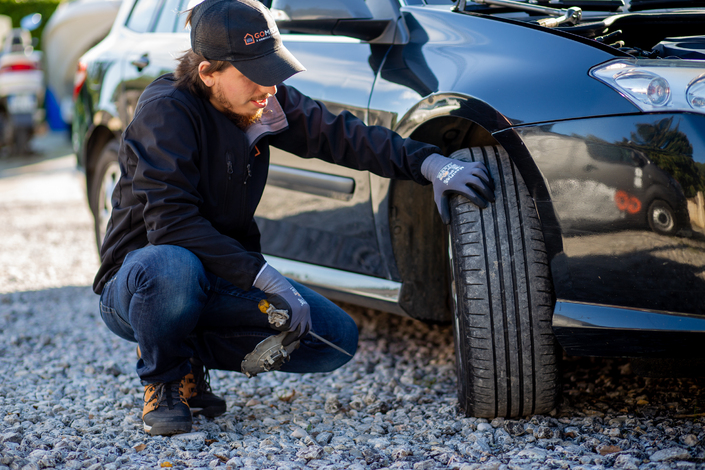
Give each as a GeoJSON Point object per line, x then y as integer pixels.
{"type": "Point", "coordinates": [230, 172]}
{"type": "Point", "coordinates": [249, 173]}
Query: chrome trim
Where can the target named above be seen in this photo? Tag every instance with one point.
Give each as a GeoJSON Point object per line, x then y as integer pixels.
{"type": "Point", "coordinates": [367, 291]}
{"type": "Point", "coordinates": [570, 314]}
{"type": "Point", "coordinates": [312, 182]}
{"type": "Point", "coordinates": [584, 329]}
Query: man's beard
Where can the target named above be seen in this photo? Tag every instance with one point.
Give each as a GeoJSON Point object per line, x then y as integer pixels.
{"type": "Point", "coordinates": [241, 121]}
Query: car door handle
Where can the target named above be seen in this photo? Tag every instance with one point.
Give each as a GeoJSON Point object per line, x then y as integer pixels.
{"type": "Point", "coordinates": [141, 63]}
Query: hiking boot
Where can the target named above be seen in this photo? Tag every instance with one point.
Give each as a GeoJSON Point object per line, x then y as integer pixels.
{"type": "Point", "coordinates": [198, 392]}
{"type": "Point", "coordinates": [200, 397]}
{"type": "Point", "coordinates": [166, 410]}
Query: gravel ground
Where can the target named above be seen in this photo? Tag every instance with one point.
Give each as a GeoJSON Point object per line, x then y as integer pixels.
{"type": "Point", "coordinates": [70, 397]}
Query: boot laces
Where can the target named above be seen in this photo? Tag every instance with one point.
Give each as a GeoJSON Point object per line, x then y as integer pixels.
{"type": "Point", "coordinates": [203, 378]}
{"type": "Point", "coordinates": [167, 393]}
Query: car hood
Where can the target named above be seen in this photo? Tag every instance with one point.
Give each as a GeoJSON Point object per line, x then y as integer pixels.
{"type": "Point", "coordinates": [641, 5]}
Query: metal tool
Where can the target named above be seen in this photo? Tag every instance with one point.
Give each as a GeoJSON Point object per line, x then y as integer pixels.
{"type": "Point", "coordinates": [334, 346]}
{"type": "Point", "coordinates": [278, 317]}
{"type": "Point", "coordinates": [271, 353]}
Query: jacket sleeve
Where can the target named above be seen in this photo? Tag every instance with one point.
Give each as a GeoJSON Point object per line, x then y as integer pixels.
{"type": "Point", "coordinates": [315, 132]}
{"type": "Point", "coordinates": [163, 144]}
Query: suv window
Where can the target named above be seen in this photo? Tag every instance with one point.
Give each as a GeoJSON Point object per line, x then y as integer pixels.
{"type": "Point", "coordinates": [160, 16]}
{"type": "Point", "coordinates": [141, 15]}
{"type": "Point", "coordinates": [170, 18]}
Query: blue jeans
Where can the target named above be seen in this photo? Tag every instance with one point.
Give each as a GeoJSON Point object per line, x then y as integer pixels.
{"type": "Point", "coordinates": [163, 299]}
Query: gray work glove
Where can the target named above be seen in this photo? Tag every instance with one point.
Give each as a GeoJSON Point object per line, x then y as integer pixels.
{"type": "Point", "coordinates": [283, 295]}
{"type": "Point", "coordinates": [449, 176]}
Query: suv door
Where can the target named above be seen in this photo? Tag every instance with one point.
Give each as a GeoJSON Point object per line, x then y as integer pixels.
{"type": "Point", "coordinates": [313, 211]}
{"type": "Point", "coordinates": [155, 28]}
{"type": "Point", "coordinates": [143, 45]}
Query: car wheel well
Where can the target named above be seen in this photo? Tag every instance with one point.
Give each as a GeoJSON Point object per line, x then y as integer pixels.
{"type": "Point", "coordinates": [452, 133]}
{"type": "Point", "coordinates": [419, 238]}
{"type": "Point", "coordinates": [99, 138]}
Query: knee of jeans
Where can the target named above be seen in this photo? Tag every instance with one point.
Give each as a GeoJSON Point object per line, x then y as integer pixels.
{"type": "Point", "coordinates": [170, 275]}
{"type": "Point", "coordinates": [350, 339]}
{"type": "Point", "coordinates": [347, 340]}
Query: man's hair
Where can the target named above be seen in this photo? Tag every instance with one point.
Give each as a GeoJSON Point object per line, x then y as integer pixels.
{"type": "Point", "coordinates": [187, 76]}
{"type": "Point", "coordinates": [186, 73]}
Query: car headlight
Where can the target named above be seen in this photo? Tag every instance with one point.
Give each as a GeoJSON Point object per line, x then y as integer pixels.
{"type": "Point", "coordinates": [657, 85]}
{"type": "Point", "coordinates": [696, 93]}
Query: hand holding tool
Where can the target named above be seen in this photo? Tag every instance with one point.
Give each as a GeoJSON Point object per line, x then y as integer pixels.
{"type": "Point", "coordinates": [274, 351]}
{"type": "Point", "coordinates": [285, 297]}
{"type": "Point", "coordinates": [279, 316]}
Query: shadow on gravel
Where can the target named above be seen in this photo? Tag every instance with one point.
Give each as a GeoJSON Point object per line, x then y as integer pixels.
{"type": "Point", "coordinates": [619, 386]}
{"type": "Point", "coordinates": [592, 386]}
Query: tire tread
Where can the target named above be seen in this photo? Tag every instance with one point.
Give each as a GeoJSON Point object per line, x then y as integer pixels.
{"type": "Point", "coordinates": [503, 287]}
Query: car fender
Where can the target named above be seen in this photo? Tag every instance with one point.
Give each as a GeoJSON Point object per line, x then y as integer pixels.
{"type": "Point", "coordinates": [480, 121]}
{"type": "Point", "coordinates": [409, 217]}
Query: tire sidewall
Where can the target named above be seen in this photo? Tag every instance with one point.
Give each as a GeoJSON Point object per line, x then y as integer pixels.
{"type": "Point", "coordinates": [660, 206]}
{"type": "Point", "coordinates": [107, 159]}
{"type": "Point", "coordinates": [506, 354]}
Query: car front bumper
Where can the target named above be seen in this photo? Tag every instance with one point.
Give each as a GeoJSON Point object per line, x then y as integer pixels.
{"type": "Point", "coordinates": [625, 285]}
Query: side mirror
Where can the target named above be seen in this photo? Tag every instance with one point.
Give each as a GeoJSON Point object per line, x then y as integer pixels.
{"type": "Point", "coordinates": [334, 17]}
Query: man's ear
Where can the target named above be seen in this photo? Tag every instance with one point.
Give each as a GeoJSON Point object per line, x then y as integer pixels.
{"type": "Point", "coordinates": [207, 78]}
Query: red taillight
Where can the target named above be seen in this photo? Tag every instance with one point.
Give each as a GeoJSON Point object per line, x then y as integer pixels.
{"type": "Point", "coordinates": [17, 68]}
{"type": "Point", "coordinates": [79, 79]}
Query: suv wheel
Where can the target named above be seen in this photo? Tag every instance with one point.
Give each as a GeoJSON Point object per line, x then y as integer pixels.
{"type": "Point", "coordinates": [661, 218]}
{"type": "Point", "coordinates": [506, 354]}
{"type": "Point", "coordinates": [106, 176]}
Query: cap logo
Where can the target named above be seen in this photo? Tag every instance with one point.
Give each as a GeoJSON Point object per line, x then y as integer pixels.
{"type": "Point", "coordinates": [260, 36]}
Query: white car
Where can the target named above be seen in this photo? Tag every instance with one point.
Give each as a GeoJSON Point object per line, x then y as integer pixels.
{"type": "Point", "coordinates": [75, 27]}
{"type": "Point", "coordinates": [20, 65]}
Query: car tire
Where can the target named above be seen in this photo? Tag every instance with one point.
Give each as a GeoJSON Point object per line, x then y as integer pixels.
{"type": "Point", "coordinates": [661, 218]}
{"type": "Point", "coordinates": [506, 354]}
{"type": "Point", "coordinates": [105, 177]}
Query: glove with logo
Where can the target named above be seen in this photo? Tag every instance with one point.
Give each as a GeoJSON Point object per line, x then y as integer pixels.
{"type": "Point", "coordinates": [449, 176]}
{"type": "Point", "coordinates": [282, 295]}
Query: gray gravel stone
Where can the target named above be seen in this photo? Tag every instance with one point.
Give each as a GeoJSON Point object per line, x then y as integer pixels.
{"type": "Point", "coordinates": [324, 438]}
{"type": "Point", "coordinates": [672, 453]}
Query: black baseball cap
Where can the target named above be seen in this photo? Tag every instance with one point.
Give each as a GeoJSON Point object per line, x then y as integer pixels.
{"type": "Point", "coordinates": [243, 33]}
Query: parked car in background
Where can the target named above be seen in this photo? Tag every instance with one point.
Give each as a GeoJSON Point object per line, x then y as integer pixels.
{"type": "Point", "coordinates": [590, 116]}
{"type": "Point", "coordinates": [75, 27]}
{"type": "Point", "coordinates": [21, 86]}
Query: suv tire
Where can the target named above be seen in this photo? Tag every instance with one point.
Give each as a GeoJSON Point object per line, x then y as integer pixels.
{"type": "Point", "coordinates": [506, 354]}
{"type": "Point", "coordinates": [662, 220]}
{"type": "Point", "coordinates": [105, 177]}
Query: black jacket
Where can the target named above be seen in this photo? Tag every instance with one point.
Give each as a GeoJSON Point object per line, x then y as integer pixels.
{"type": "Point", "coordinates": [191, 178]}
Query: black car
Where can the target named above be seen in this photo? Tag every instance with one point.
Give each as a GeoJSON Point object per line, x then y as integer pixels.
{"type": "Point", "coordinates": [590, 115]}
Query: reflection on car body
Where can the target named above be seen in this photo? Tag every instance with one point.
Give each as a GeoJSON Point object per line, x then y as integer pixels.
{"type": "Point", "coordinates": [594, 132]}
{"type": "Point", "coordinates": [607, 186]}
